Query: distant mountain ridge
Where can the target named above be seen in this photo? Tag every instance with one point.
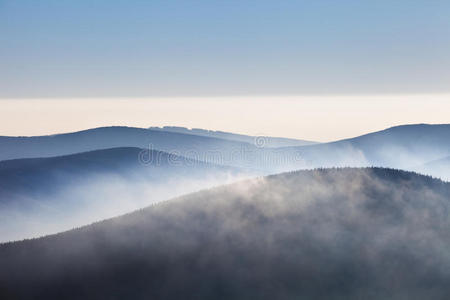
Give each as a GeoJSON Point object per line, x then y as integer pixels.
{"type": "Point", "coordinates": [18, 174]}
{"type": "Point", "coordinates": [262, 141]}
{"type": "Point", "coordinates": [403, 147]}
{"type": "Point", "coordinates": [46, 195]}
{"type": "Point", "coordinates": [201, 148]}
{"type": "Point", "coordinates": [100, 138]}
{"type": "Point", "coordinates": [439, 168]}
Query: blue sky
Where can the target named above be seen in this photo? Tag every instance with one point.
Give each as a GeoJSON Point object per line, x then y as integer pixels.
{"type": "Point", "coordinates": [222, 48]}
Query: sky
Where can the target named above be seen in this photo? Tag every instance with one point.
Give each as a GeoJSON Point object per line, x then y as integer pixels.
{"type": "Point", "coordinates": [100, 51]}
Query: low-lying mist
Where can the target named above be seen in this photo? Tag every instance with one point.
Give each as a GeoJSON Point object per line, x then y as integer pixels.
{"type": "Point", "coordinates": [95, 198]}
{"type": "Point", "coordinates": [323, 234]}
{"type": "Point", "coordinates": [45, 196]}
{"type": "Point", "coordinates": [55, 194]}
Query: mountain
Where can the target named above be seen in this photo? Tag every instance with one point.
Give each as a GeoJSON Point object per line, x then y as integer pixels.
{"type": "Point", "coordinates": [46, 195]}
{"type": "Point", "coordinates": [368, 233]}
{"type": "Point", "coordinates": [397, 147]}
{"type": "Point", "coordinates": [105, 138]}
{"type": "Point", "coordinates": [439, 168]}
{"type": "Point", "coordinates": [199, 148]}
{"type": "Point", "coordinates": [402, 147]}
{"type": "Point", "coordinates": [262, 141]}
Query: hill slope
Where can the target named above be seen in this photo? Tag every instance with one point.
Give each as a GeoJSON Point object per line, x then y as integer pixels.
{"type": "Point", "coordinates": [45, 195]}
{"type": "Point", "coordinates": [263, 141]}
{"type": "Point", "coordinates": [200, 148]}
{"type": "Point", "coordinates": [397, 147]}
{"type": "Point", "coordinates": [325, 234]}
{"type": "Point", "coordinates": [438, 168]}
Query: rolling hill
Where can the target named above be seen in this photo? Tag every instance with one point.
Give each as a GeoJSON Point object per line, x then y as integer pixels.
{"type": "Point", "coordinates": [439, 168]}
{"type": "Point", "coordinates": [201, 148]}
{"type": "Point", "coordinates": [402, 147]}
{"type": "Point", "coordinates": [262, 141]}
{"type": "Point", "coordinates": [105, 138]}
{"type": "Point", "coordinates": [46, 195]}
{"type": "Point", "coordinates": [368, 233]}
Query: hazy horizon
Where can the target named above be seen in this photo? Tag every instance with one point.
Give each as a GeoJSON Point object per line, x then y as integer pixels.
{"type": "Point", "coordinates": [316, 118]}
{"type": "Point", "coordinates": [313, 70]}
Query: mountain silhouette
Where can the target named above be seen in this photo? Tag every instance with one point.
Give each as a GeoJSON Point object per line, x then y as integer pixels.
{"type": "Point", "coordinates": [262, 140]}
{"type": "Point", "coordinates": [46, 195]}
{"type": "Point", "coordinates": [200, 148]}
{"type": "Point", "coordinates": [402, 147]}
{"type": "Point", "coordinates": [398, 147]}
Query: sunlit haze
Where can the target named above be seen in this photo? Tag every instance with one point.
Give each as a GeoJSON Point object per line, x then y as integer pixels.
{"type": "Point", "coordinates": [319, 118]}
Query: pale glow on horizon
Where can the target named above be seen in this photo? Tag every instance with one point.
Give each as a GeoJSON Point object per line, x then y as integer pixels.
{"type": "Point", "coordinates": [318, 118]}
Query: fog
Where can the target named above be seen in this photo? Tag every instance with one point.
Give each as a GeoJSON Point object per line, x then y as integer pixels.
{"type": "Point", "coordinates": [74, 198]}
{"type": "Point", "coordinates": [95, 197]}
{"type": "Point", "coordinates": [323, 234]}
